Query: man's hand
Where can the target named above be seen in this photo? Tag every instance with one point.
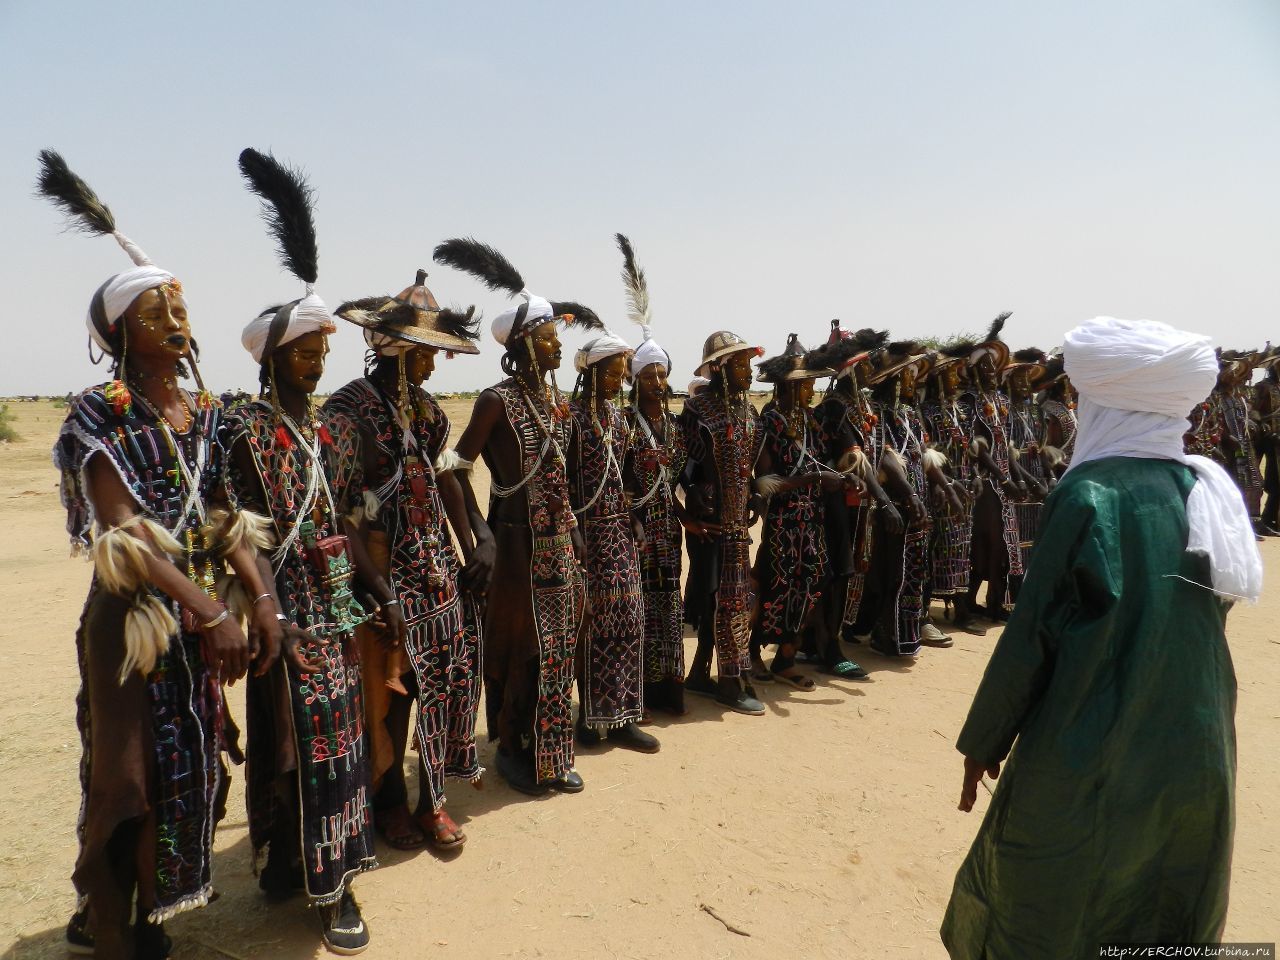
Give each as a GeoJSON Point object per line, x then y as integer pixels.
{"type": "Point", "coordinates": [579, 547]}
{"type": "Point", "coordinates": [226, 650]}
{"type": "Point", "coordinates": [265, 634]}
{"type": "Point", "coordinates": [291, 639]}
{"type": "Point", "coordinates": [638, 529]}
{"type": "Point", "coordinates": [892, 518]}
{"type": "Point", "coordinates": [702, 529]}
{"type": "Point", "coordinates": [478, 572]}
{"type": "Point", "coordinates": [973, 771]}
{"type": "Point", "coordinates": [388, 620]}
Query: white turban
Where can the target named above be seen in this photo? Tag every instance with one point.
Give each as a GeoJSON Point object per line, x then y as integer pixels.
{"type": "Point", "coordinates": [384, 345]}
{"type": "Point", "coordinates": [647, 353]}
{"type": "Point", "coordinates": [538, 311]}
{"type": "Point", "coordinates": [306, 316]}
{"type": "Point", "coordinates": [117, 293]}
{"type": "Point", "coordinates": [1138, 380]}
{"type": "Point", "coordinates": [697, 384]}
{"type": "Point", "coordinates": [602, 347]}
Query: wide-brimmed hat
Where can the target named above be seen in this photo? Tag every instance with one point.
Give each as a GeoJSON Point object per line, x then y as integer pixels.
{"type": "Point", "coordinates": [845, 349]}
{"type": "Point", "coordinates": [721, 344]}
{"type": "Point", "coordinates": [1031, 359]}
{"type": "Point", "coordinates": [414, 316]}
{"type": "Point", "coordinates": [791, 364]}
{"type": "Point", "coordinates": [896, 357]}
{"type": "Point", "coordinates": [992, 345]}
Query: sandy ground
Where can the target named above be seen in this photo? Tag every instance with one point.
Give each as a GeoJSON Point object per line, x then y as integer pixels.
{"type": "Point", "coordinates": [826, 829]}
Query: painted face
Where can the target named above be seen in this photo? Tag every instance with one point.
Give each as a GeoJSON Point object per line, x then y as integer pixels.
{"type": "Point", "coordinates": [299, 364]}
{"type": "Point", "coordinates": [156, 326]}
{"type": "Point", "coordinates": [950, 376]}
{"type": "Point", "coordinates": [610, 373]}
{"type": "Point", "coordinates": [546, 346]}
{"type": "Point", "coordinates": [651, 382]}
{"type": "Point", "coordinates": [420, 364]}
{"type": "Point", "coordinates": [907, 381]}
{"type": "Point", "coordinates": [1020, 381]}
{"type": "Point", "coordinates": [802, 392]}
{"type": "Point", "coordinates": [737, 370]}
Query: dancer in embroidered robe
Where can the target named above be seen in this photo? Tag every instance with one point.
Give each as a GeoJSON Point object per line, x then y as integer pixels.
{"type": "Point", "coordinates": [722, 436]}
{"type": "Point", "coordinates": [1059, 408]}
{"type": "Point", "coordinates": [413, 496]}
{"type": "Point", "coordinates": [1237, 428]}
{"type": "Point", "coordinates": [611, 654]}
{"type": "Point", "coordinates": [995, 552]}
{"type": "Point", "coordinates": [142, 487]}
{"type": "Point", "coordinates": [1266, 408]}
{"type": "Point", "coordinates": [949, 429]}
{"type": "Point", "coordinates": [900, 564]}
{"type": "Point", "coordinates": [308, 764]}
{"type": "Point", "coordinates": [792, 568]}
{"type": "Point", "coordinates": [1026, 445]}
{"type": "Point", "coordinates": [521, 426]}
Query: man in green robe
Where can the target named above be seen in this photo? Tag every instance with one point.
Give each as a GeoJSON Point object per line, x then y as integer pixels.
{"type": "Point", "coordinates": [1114, 816]}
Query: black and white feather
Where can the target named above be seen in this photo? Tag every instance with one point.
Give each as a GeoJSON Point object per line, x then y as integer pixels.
{"type": "Point", "coordinates": [576, 315]}
{"type": "Point", "coordinates": [637, 287]}
{"type": "Point", "coordinates": [287, 202]}
{"type": "Point", "coordinates": [481, 261]}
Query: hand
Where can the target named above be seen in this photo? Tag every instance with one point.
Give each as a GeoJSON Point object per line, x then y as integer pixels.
{"type": "Point", "coordinates": [579, 548]}
{"type": "Point", "coordinates": [855, 483]}
{"type": "Point", "coordinates": [955, 507]}
{"type": "Point", "coordinates": [226, 650]}
{"type": "Point", "coordinates": [388, 621]}
{"type": "Point", "coordinates": [892, 519]}
{"type": "Point", "coordinates": [756, 506]}
{"type": "Point", "coordinates": [918, 515]}
{"type": "Point", "coordinates": [265, 634]}
{"type": "Point", "coordinates": [291, 638]}
{"type": "Point", "coordinates": [703, 529]}
{"type": "Point", "coordinates": [477, 575]}
{"type": "Point", "coordinates": [832, 482]}
{"type": "Point", "coordinates": [973, 771]}
{"type": "Point", "coordinates": [638, 529]}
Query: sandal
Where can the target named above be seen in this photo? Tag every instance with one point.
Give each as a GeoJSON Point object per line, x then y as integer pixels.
{"type": "Point", "coordinates": [442, 833]}
{"type": "Point", "coordinates": [398, 828]}
{"type": "Point", "coordinates": [797, 680]}
{"type": "Point", "coordinates": [846, 670]}
{"type": "Point", "coordinates": [761, 674]}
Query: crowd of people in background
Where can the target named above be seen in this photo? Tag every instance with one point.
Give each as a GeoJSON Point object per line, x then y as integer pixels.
{"type": "Point", "coordinates": [338, 556]}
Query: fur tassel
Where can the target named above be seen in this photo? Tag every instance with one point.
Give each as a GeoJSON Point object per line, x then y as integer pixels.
{"type": "Point", "coordinates": [147, 628]}
{"type": "Point", "coordinates": [769, 485]}
{"type": "Point", "coordinates": [228, 531]}
{"type": "Point", "coordinates": [935, 458]}
{"type": "Point", "coordinates": [367, 509]}
{"type": "Point", "coordinates": [233, 593]}
{"type": "Point", "coordinates": [1015, 454]}
{"type": "Point", "coordinates": [855, 461]}
{"type": "Point", "coordinates": [1054, 455]}
{"type": "Point", "coordinates": [891, 456]}
{"type": "Point", "coordinates": [978, 446]}
{"type": "Point", "coordinates": [120, 560]}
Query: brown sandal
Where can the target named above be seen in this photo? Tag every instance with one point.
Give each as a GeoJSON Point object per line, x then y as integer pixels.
{"type": "Point", "coordinates": [441, 832]}
{"type": "Point", "coordinates": [398, 828]}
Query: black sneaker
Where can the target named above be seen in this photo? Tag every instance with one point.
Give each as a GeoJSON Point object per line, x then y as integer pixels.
{"type": "Point", "coordinates": [345, 932]}
{"type": "Point", "coordinates": [571, 782]}
{"type": "Point", "coordinates": [150, 942]}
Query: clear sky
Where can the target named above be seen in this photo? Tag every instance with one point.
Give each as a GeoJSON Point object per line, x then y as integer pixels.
{"type": "Point", "coordinates": [913, 165]}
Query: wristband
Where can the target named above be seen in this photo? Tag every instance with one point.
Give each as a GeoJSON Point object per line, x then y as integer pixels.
{"type": "Point", "coordinates": [216, 620]}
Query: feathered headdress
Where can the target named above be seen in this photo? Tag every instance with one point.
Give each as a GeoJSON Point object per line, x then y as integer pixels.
{"type": "Point", "coordinates": [639, 311]}
{"type": "Point", "coordinates": [286, 207]}
{"type": "Point", "coordinates": [87, 213]}
{"type": "Point", "coordinates": [496, 272]}
{"type": "Point", "coordinates": [576, 315]}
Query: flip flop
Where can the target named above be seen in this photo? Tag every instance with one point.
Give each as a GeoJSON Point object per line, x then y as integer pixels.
{"type": "Point", "coordinates": [398, 829]}
{"type": "Point", "coordinates": [798, 681]}
{"type": "Point", "coordinates": [846, 670]}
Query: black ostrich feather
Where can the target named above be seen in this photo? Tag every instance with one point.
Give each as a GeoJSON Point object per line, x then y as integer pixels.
{"type": "Point", "coordinates": [579, 317]}
{"type": "Point", "coordinates": [997, 325]}
{"type": "Point", "coordinates": [73, 196]}
{"type": "Point", "coordinates": [364, 304]}
{"type": "Point", "coordinates": [903, 348]}
{"type": "Point", "coordinates": [462, 324]}
{"type": "Point", "coordinates": [868, 339]}
{"type": "Point", "coordinates": [637, 286]}
{"type": "Point", "coordinates": [287, 201]}
{"type": "Point", "coordinates": [1029, 355]}
{"type": "Point", "coordinates": [774, 369]}
{"type": "Point", "coordinates": [481, 261]}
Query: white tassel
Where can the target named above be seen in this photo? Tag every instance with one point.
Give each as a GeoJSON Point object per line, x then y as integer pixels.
{"type": "Point", "coordinates": [935, 458]}
{"type": "Point", "coordinates": [229, 531]}
{"type": "Point", "coordinates": [232, 590]}
{"type": "Point", "coordinates": [978, 446]}
{"type": "Point", "coordinates": [1054, 456]}
{"type": "Point", "coordinates": [147, 628]}
{"type": "Point", "coordinates": [768, 486]}
{"type": "Point", "coordinates": [855, 461]}
{"type": "Point", "coordinates": [449, 460]}
{"type": "Point", "coordinates": [120, 560]}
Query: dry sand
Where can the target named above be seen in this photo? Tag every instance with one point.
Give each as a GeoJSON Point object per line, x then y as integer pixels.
{"type": "Point", "coordinates": [826, 829]}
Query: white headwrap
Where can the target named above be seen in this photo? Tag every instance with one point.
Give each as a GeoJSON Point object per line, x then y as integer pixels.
{"type": "Point", "coordinates": [649, 352]}
{"type": "Point", "coordinates": [607, 345]}
{"type": "Point", "coordinates": [307, 315]}
{"type": "Point", "coordinates": [385, 346]}
{"type": "Point", "coordinates": [539, 311]}
{"type": "Point", "coordinates": [120, 291]}
{"type": "Point", "coordinates": [696, 384]}
{"type": "Point", "coordinates": [1138, 380]}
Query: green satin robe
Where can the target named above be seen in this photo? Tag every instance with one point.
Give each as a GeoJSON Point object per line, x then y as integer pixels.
{"type": "Point", "coordinates": [1113, 818]}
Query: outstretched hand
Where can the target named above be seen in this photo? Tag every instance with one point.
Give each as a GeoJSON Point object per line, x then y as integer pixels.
{"type": "Point", "coordinates": [293, 637]}
{"type": "Point", "coordinates": [973, 772]}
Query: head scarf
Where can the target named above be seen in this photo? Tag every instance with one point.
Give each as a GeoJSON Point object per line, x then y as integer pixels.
{"type": "Point", "coordinates": [306, 316]}
{"type": "Point", "coordinates": [112, 299]}
{"type": "Point", "coordinates": [521, 318]}
{"type": "Point", "coordinates": [650, 351]}
{"type": "Point", "coordinates": [602, 347]}
{"type": "Point", "coordinates": [1137, 381]}
{"type": "Point", "coordinates": [697, 384]}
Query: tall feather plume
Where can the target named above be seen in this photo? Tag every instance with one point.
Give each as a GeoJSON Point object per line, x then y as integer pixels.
{"type": "Point", "coordinates": [73, 196]}
{"type": "Point", "coordinates": [868, 339]}
{"type": "Point", "coordinates": [286, 206]}
{"type": "Point", "coordinates": [364, 304]}
{"type": "Point", "coordinates": [637, 286]}
{"type": "Point", "coordinates": [481, 261]}
{"type": "Point", "coordinates": [997, 325]}
{"type": "Point", "coordinates": [579, 317]}
{"type": "Point", "coordinates": [1029, 355]}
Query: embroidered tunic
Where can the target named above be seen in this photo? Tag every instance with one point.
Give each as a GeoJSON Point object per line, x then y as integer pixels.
{"type": "Point", "coordinates": [948, 426]}
{"type": "Point", "coordinates": [444, 641]}
{"type": "Point", "coordinates": [1241, 458]}
{"type": "Point", "coordinates": [1026, 435]}
{"type": "Point", "coordinates": [656, 459]}
{"type": "Point", "coordinates": [151, 745]}
{"type": "Point", "coordinates": [612, 663]}
{"type": "Point", "coordinates": [1065, 418]}
{"type": "Point", "coordinates": [988, 413]}
{"type": "Point", "coordinates": [792, 563]}
{"type": "Point", "coordinates": [723, 440]}
{"type": "Point", "coordinates": [309, 725]}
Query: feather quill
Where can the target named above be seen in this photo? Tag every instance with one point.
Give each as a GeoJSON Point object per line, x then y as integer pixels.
{"type": "Point", "coordinates": [637, 286]}
{"type": "Point", "coordinates": [287, 201]}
